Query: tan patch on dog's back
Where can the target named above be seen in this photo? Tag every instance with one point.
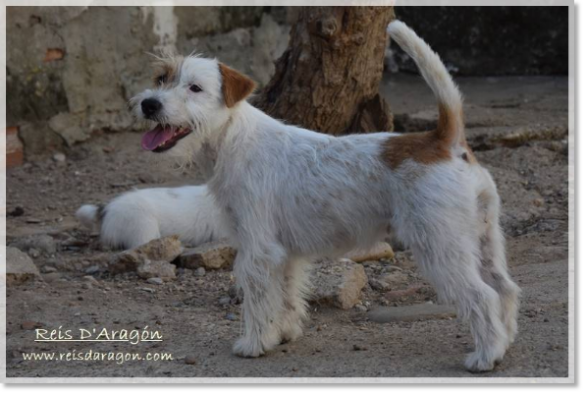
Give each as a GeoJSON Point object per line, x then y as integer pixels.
{"type": "Point", "coordinates": [424, 148]}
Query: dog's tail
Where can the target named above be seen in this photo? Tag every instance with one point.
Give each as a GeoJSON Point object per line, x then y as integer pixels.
{"type": "Point", "coordinates": [450, 126]}
{"type": "Point", "coordinates": [89, 215]}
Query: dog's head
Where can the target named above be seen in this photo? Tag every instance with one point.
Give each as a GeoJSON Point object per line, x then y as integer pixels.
{"type": "Point", "coordinates": [193, 98]}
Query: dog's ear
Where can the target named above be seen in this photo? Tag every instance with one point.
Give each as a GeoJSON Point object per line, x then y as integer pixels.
{"type": "Point", "coordinates": [235, 86]}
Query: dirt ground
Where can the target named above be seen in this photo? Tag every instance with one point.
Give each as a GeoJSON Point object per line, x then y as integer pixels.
{"type": "Point", "coordinates": [532, 175]}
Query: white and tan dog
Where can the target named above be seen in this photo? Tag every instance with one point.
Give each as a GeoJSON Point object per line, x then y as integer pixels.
{"type": "Point", "coordinates": [137, 217]}
{"type": "Point", "coordinates": [289, 195]}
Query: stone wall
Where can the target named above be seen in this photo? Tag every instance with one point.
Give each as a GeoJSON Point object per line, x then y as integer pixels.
{"type": "Point", "coordinates": [71, 70]}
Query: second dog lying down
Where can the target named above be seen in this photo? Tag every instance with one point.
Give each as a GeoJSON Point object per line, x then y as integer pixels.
{"type": "Point", "coordinates": [139, 216]}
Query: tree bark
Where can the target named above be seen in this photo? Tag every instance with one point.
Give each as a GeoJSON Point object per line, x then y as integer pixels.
{"type": "Point", "coordinates": [327, 80]}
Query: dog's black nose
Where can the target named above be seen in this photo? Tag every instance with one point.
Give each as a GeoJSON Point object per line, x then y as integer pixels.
{"type": "Point", "coordinates": [150, 106]}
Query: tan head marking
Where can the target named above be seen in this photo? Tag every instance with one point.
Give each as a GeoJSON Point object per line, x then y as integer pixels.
{"type": "Point", "coordinates": [167, 69]}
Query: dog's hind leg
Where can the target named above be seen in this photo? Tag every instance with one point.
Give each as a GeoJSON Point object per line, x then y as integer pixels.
{"type": "Point", "coordinates": [446, 247]}
{"type": "Point", "coordinates": [455, 274]}
{"type": "Point", "coordinates": [260, 275]}
{"type": "Point", "coordinates": [296, 283]}
{"type": "Point", "coordinates": [493, 259]}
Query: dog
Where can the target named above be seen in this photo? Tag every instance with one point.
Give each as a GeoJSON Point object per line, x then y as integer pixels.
{"type": "Point", "coordinates": [137, 217]}
{"type": "Point", "coordinates": [288, 196]}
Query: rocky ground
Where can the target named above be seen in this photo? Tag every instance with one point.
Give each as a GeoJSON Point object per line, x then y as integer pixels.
{"type": "Point", "coordinates": [393, 328]}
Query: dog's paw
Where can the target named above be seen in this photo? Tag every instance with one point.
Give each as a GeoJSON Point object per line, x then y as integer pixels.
{"type": "Point", "coordinates": [248, 348]}
{"type": "Point", "coordinates": [291, 333]}
{"type": "Point", "coordinates": [479, 362]}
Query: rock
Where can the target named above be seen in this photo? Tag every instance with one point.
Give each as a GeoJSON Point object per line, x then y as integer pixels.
{"type": "Point", "coordinates": [43, 243]}
{"type": "Point", "coordinates": [236, 294]}
{"type": "Point", "coordinates": [212, 255]}
{"type": "Point", "coordinates": [18, 211]}
{"type": "Point", "coordinates": [412, 312]}
{"type": "Point", "coordinates": [191, 360]}
{"type": "Point", "coordinates": [395, 280]}
{"type": "Point", "coordinates": [19, 267]}
{"type": "Point", "coordinates": [156, 269]}
{"type": "Point", "coordinates": [47, 269]}
{"type": "Point", "coordinates": [200, 271]}
{"type": "Point", "coordinates": [231, 316]}
{"type": "Point", "coordinates": [225, 301]}
{"type": "Point", "coordinates": [91, 280]}
{"type": "Point", "coordinates": [155, 281]}
{"type": "Point", "coordinates": [378, 285]}
{"type": "Point", "coordinates": [59, 157]}
{"type": "Point", "coordinates": [381, 250]}
{"type": "Point", "coordinates": [94, 269]}
{"type": "Point", "coordinates": [158, 250]}
{"type": "Point", "coordinates": [338, 283]}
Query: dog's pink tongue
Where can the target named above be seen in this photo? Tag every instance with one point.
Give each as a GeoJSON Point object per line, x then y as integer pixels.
{"type": "Point", "coordinates": [153, 138]}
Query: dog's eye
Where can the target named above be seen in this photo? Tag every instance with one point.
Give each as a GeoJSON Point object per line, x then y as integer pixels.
{"type": "Point", "coordinates": [161, 79]}
{"type": "Point", "coordinates": [195, 88]}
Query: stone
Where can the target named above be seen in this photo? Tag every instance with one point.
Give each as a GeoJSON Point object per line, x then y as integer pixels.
{"type": "Point", "coordinates": [382, 250]}
{"type": "Point", "coordinates": [225, 301]}
{"type": "Point", "coordinates": [94, 269]}
{"type": "Point", "coordinates": [157, 269]}
{"type": "Point", "coordinates": [395, 280]}
{"type": "Point", "coordinates": [158, 250]}
{"type": "Point", "coordinates": [19, 267]}
{"type": "Point", "coordinates": [47, 269]}
{"type": "Point", "coordinates": [191, 360]}
{"type": "Point", "coordinates": [411, 313]}
{"type": "Point", "coordinates": [155, 281]}
{"type": "Point", "coordinates": [52, 277]}
{"type": "Point", "coordinates": [200, 271]}
{"type": "Point", "coordinates": [42, 243]}
{"type": "Point", "coordinates": [212, 255]}
{"type": "Point", "coordinates": [59, 157]}
{"type": "Point", "coordinates": [338, 283]}
{"type": "Point", "coordinates": [231, 316]}
{"type": "Point", "coordinates": [236, 294]}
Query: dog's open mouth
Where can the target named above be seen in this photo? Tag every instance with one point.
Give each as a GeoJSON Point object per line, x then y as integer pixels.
{"type": "Point", "coordinates": [163, 138]}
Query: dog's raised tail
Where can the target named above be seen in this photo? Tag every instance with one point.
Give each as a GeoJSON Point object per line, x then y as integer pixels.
{"type": "Point", "coordinates": [89, 215]}
{"type": "Point", "coordinates": [450, 126]}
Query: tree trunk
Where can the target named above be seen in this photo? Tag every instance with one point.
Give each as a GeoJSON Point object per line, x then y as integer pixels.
{"type": "Point", "coordinates": [328, 78]}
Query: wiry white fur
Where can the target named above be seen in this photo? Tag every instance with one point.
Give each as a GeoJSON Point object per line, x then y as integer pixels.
{"type": "Point", "coordinates": [291, 195]}
{"type": "Point", "coordinates": [137, 217]}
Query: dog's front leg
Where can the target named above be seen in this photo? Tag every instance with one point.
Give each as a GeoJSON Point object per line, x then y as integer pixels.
{"type": "Point", "coordinates": [260, 274]}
